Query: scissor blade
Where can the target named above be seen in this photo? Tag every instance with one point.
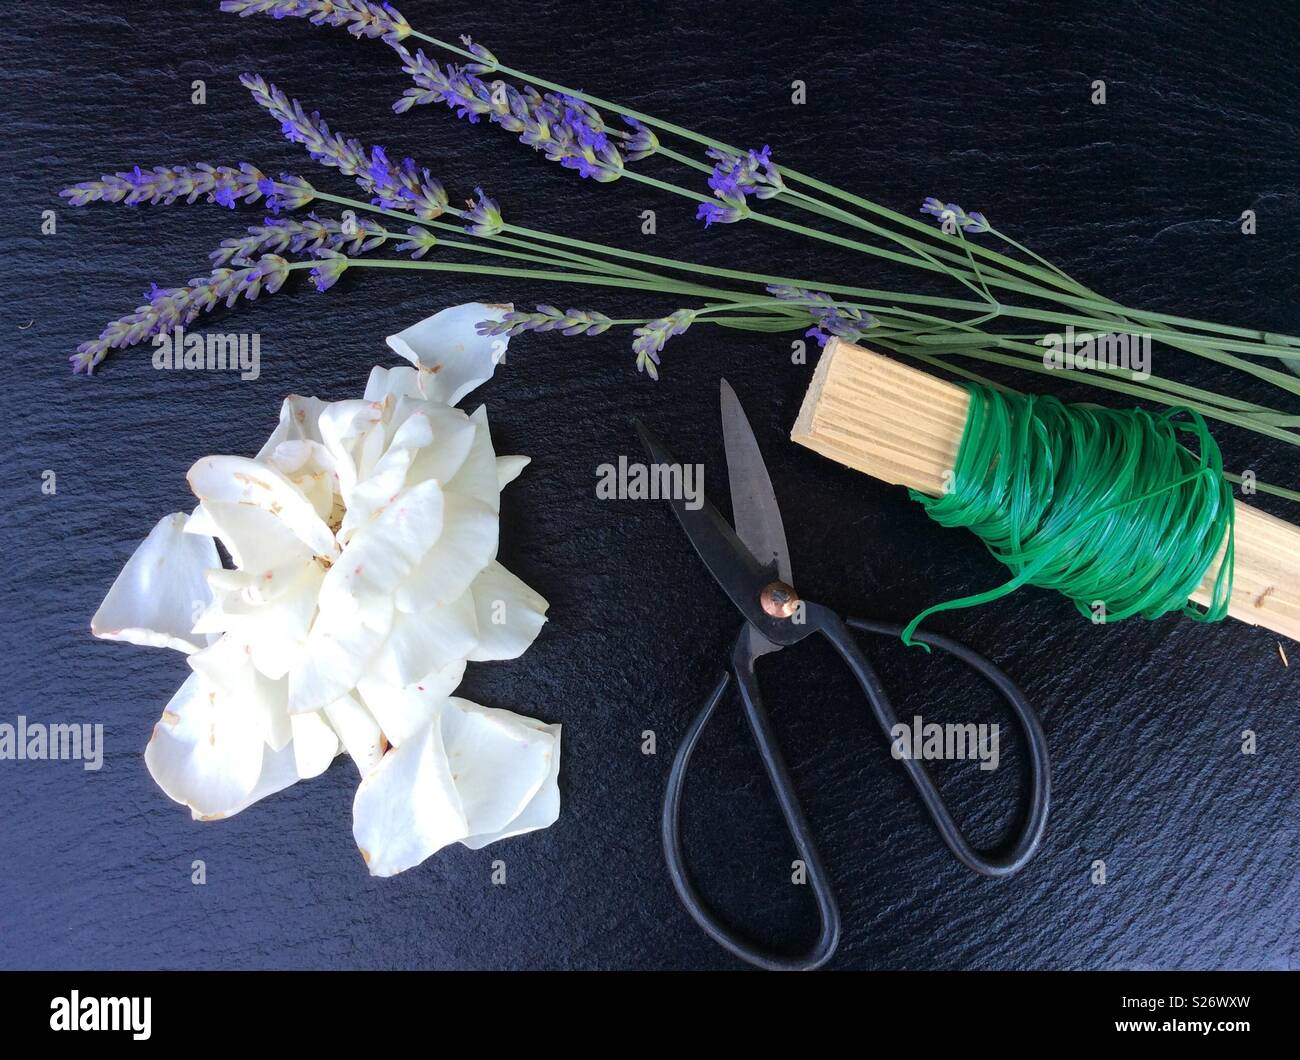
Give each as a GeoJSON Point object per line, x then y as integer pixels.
{"type": "Point", "coordinates": [741, 576]}
{"type": "Point", "coordinates": [753, 504]}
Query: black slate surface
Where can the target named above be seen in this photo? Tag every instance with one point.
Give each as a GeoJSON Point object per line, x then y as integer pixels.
{"type": "Point", "coordinates": [984, 103]}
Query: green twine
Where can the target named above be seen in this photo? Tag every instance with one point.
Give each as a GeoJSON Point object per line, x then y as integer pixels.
{"type": "Point", "coordinates": [1106, 506]}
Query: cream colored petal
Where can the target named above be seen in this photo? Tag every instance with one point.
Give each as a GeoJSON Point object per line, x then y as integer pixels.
{"type": "Point", "coordinates": [206, 751]}
{"type": "Point", "coordinates": [422, 641]}
{"type": "Point", "coordinates": [305, 757]}
{"type": "Point", "coordinates": [468, 543]}
{"type": "Point", "coordinates": [498, 762]}
{"type": "Point", "coordinates": [315, 744]}
{"type": "Point", "coordinates": [161, 591]}
{"type": "Point", "coordinates": [298, 416]}
{"type": "Point", "coordinates": [453, 437]}
{"type": "Point", "coordinates": [310, 467]}
{"type": "Point", "coordinates": [392, 382]}
{"type": "Point", "coordinates": [358, 732]}
{"type": "Point", "coordinates": [200, 523]}
{"type": "Point", "coordinates": [509, 614]}
{"type": "Point", "coordinates": [228, 667]}
{"type": "Point", "coordinates": [345, 426]}
{"type": "Point", "coordinates": [542, 810]}
{"type": "Point", "coordinates": [406, 808]}
{"type": "Point", "coordinates": [388, 477]}
{"type": "Point", "coordinates": [452, 356]}
{"type": "Point", "coordinates": [403, 711]}
{"type": "Point", "coordinates": [259, 542]}
{"type": "Point", "coordinates": [238, 480]}
{"type": "Point", "coordinates": [477, 476]}
{"type": "Point", "coordinates": [508, 469]}
{"type": "Point", "coordinates": [337, 653]}
{"type": "Point", "coordinates": [277, 632]}
{"type": "Point", "coordinates": [383, 553]}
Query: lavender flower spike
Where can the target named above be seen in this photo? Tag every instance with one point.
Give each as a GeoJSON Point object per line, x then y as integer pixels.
{"type": "Point", "coordinates": [650, 338]}
{"type": "Point", "coordinates": [951, 216]}
{"type": "Point", "coordinates": [165, 184]}
{"type": "Point", "coordinates": [547, 318]}
{"type": "Point", "coordinates": [393, 186]}
{"type": "Point", "coordinates": [564, 128]}
{"type": "Point", "coordinates": [169, 307]}
{"type": "Point", "coordinates": [360, 17]}
{"type": "Point", "coordinates": [291, 235]}
{"type": "Point", "coordinates": [830, 320]}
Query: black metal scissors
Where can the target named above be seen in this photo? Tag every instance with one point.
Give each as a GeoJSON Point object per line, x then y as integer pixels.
{"type": "Point", "coordinates": [752, 565]}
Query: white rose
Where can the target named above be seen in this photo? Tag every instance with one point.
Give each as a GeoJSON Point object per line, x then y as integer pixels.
{"type": "Point", "coordinates": [363, 539]}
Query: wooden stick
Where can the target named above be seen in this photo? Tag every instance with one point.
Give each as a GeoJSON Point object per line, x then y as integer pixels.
{"type": "Point", "coordinates": [899, 424]}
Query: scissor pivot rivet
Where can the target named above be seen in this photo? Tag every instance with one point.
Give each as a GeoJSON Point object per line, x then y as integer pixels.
{"type": "Point", "coordinates": [779, 600]}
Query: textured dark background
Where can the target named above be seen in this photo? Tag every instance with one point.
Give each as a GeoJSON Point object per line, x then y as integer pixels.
{"type": "Point", "coordinates": [984, 103]}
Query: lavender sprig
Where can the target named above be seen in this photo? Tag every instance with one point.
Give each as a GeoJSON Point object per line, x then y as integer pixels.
{"type": "Point", "coordinates": [393, 186]}
{"type": "Point", "coordinates": [282, 235]}
{"type": "Point", "coordinates": [831, 320]}
{"type": "Point", "coordinates": [564, 128]}
{"type": "Point", "coordinates": [649, 339]}
{"type": "Point", "coordinates": [547, 318]}
{"type": "Point", "coordinates": [163, 185]}
{"type": "Point", "coordinates": [169, 307]}
{"type": "Point", "coordinates": [359, 17]}
{"type": "Point", "coordinates": [952, 214]}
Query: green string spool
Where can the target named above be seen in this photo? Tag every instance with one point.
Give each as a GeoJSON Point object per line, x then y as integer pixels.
{"type": "Point", "coordinates": [1098, 504]}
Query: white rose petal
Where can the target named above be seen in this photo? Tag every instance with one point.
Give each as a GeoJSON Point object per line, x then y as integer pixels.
{"type": "Point", "coordinates": [206, 750]}
{"type": "Point", "coordinates": [407, 806]}
{"type": "Point", "coordinates": [542, 810]}
{"type": "Point", "coordinates": [403, 710]}
{"type": "Point", "coordinates": [161, 591]}
{"type": "Point", "coordinates": [508, 469]}
{"type": "Point", "coordinates": [467, 544]}
{"type": "Point", "coordinates": [453, 358]}
{"type": "Point", "coordinates": [509, 615]}
{"type": "Point", "coordinates": [498, 762]}
{"type": "Point", "coordinates": [239, 480]}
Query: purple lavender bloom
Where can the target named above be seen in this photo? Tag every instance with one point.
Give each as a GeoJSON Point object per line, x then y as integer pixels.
{"type": "Point", "coordinates": [330, 266]}
{"type": "Point", "coordinates": [360, 17]}
{"type": "Point", "coordinates": [564, 128]}
{"type": "Point", "coordinates": [167, 307]}
{"type": "Point", "coordinates": [163, 185]}
{"type": "Point", "coordinates": [483, 216]}
{"type": "Point", "coordinates": [738, 175]}
{"type": "Point", "coordinates": [649, 339]}
{"type": "Point", "coordinates": [641, 144]}
{"type": "Point", "coordinates": [951, 214]}
{"type": "Point", "coordinates": [421, 242]}
{"type": "Point", "coordinates": [395, 187]}
{"type": "Point", "coordinates": [299, 236]}
{"type": "Point", "coordinates": [830, 320]}
{"type": "Point", "coordinates": [729, 211]}
{"type": "Point", "coordinates": [287, 194]}
{"type": "Point", "coordinates": [547, 318]}
{"type": "Point", "coordinates": [487, 61]}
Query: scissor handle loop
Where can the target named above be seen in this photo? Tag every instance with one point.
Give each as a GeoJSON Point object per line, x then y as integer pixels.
{"type": "Point", "coordinates": [743, 668]}
{"type": "Point", "coordinates": [1010, 857]}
